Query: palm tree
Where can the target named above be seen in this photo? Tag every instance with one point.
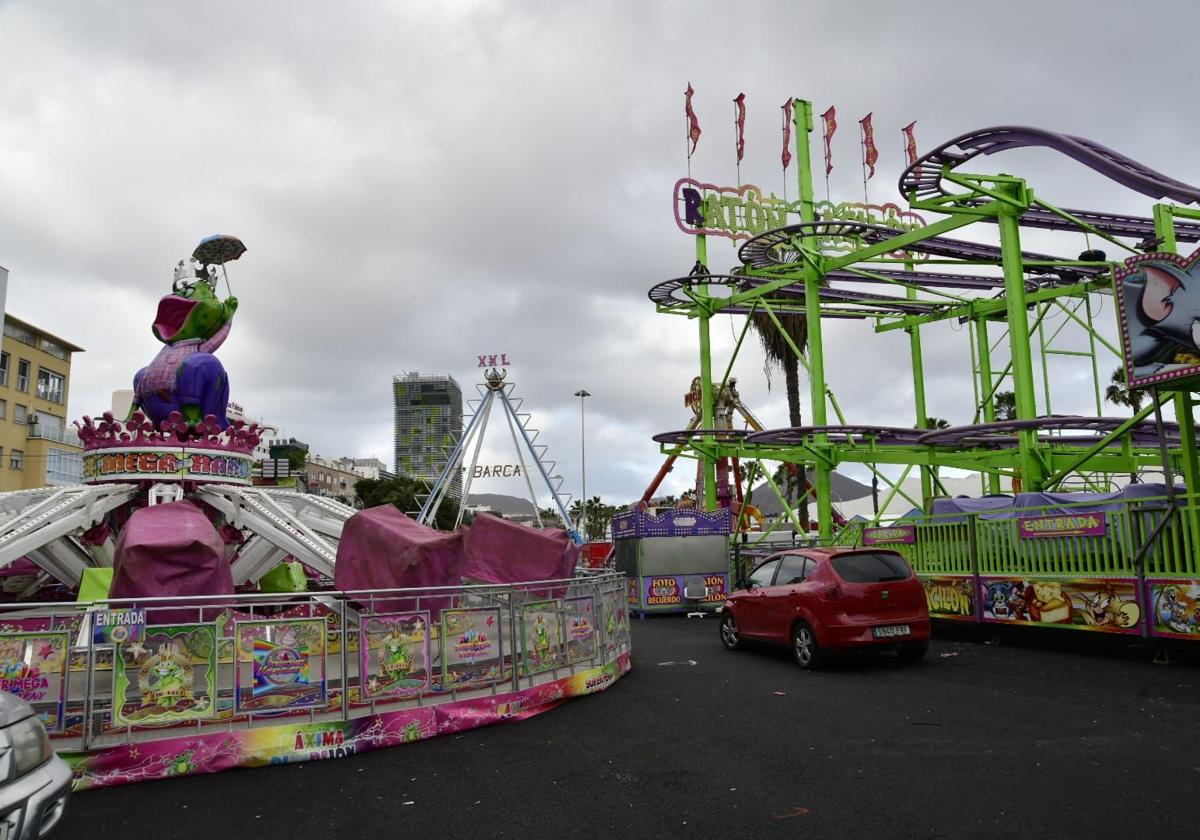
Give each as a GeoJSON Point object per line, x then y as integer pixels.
{"type": "Point", "coordinates": [936, 423]}
{"type": "Point", "coordinates": [778, 353]}
{"type": "Point", "coordinates": [1118, 393]}
{"type": "Point", "coordinates": [1005, 403]}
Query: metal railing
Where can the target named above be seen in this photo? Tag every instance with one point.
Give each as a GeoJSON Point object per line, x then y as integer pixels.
{"type": "Point", "coordinates": [106, 692]}
{"type": "Point", "coordinates": [991, 543]}
{"type": "Point", "coordinates": [58, 434]}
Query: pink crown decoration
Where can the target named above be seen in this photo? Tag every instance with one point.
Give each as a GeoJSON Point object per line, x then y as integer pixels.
{"type": "Point", "coordinates": [110, 433]}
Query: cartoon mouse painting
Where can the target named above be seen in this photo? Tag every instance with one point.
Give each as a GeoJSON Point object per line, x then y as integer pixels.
{"type": "Point", "coordinates": [1161, 303]}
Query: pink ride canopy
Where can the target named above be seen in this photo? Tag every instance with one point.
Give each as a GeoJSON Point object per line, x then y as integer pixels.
{"type": "Point", "coordinates": [170, 549]}
{"type": "Point", "coordinates": [381, 548]}
{"type": "Point", "coordinates": [499, 551]}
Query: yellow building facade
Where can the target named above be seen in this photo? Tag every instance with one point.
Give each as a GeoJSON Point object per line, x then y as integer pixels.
{"type": "Point", "coordinates": [38, 446]}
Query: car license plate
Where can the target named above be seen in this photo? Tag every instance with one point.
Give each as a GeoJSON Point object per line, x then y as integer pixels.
{"type": "Point", "coordinates": [890, 631]}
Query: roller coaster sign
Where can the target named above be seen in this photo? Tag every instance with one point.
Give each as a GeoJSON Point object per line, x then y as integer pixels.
{"type": "Point", "coordinates": [746, 211]}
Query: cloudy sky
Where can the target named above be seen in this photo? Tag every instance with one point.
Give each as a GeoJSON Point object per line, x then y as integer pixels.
{"type": "Point", "coordinates": [420, 183]}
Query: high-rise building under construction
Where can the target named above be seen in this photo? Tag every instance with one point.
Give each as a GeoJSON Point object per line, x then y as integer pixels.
{"type": "Point", "coordinates": [428, 420]}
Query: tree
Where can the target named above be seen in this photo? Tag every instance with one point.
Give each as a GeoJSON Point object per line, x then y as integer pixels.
{"type": "Point", "coordinates": [936, 423]}
{"type": "Point", "coordinates": [1118, 393]}
{"type": "Point", "coordinates": [597, 519]}
{"type": "Point", "coordinates": [406, 494]}
{"type": "Point", "coordinates": [778, 353]}
{"type": "Point", "coordinates": [1005, 404]}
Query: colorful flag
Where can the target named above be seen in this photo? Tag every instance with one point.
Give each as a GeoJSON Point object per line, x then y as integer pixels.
{"type": "Point", "coordinates": [910, 142]}
{"type": "Point", "coordinates": [830, 118]}
{"type": "Point", "coordinates": [740, 106]}
{"type": "Point", "coordinates": [693, 123]}
{"type": "Point", "coordinates": [786, 157]}
{"type": "Point", "coordinates": [870, 153]}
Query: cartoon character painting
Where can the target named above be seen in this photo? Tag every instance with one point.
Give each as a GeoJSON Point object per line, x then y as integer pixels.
{"type": "Point", "coordinates": [192, 322]}
{"type": "Point", "coordinates": [394, 659]}
{"type": "Point", "coordinates": [165, 679]}
{"type": "Point", "coordinates": [541, 638]}
{"type": "Point", "coordinates": [1176, 609]}
{"type": "Point", "coordinates": [1046, 603]}
{"type": "Point", "coordinates": [1105, 607]}
{"type": "Point", "coordinates": [1160, 312]}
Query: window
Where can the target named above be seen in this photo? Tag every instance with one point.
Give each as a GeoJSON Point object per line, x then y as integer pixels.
{"type": "Point", "coordinates": [19, 412]}
{"type": "Point", "coordinates": [17, 459]}
{"type": "Point", "coordinates": [63, 466]}
{"type": "Point", "coordinates": [793, 568]}
{"type": "Point", "coordinates": [23, 375]}
{"type": "Point", "coordinates": [20, 333]}
{"type": "Point", "coordinates": [871, 567]}
{"type": "Point", "coordinates": [4, 369]}
{"type": "Point", "coordinates": [3, 409]}
{"type": "Point", "coordinates": [50, 386]}
{"type": "Point", "coordinates": [53, 348]}
{"type": "Point", "coordinates": [763, 574]}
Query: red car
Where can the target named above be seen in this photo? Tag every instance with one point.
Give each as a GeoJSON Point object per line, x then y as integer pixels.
{"type": "Point", "coordinates": [822, 600]}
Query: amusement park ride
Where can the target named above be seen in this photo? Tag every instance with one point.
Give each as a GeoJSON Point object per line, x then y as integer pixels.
{"type": "Point", "coordinates": [887, 266]}
{"type": "Point", "coordinates": [495, 390]}
{"type": "Point", "coordinates": [807, 269]}
{"type": "Point", "coordinates": [176, 441]}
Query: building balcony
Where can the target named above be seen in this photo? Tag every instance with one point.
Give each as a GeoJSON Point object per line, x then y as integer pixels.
{"type": "Point", "coordinates": [57, 434]}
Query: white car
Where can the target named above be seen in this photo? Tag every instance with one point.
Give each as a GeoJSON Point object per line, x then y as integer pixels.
{"type": "Point", "coordinates": [34, 782]}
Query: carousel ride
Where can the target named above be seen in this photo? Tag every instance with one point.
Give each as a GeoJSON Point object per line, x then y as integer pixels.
{"type": "Point", "coordinates": [174, 478]}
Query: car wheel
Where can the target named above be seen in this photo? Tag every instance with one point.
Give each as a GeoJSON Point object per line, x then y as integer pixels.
{"type": "Point", "coordinates": [913, 651]}
{"type": "Point", "coordinates": [805, 649]}
{"type": "Point", "coordinates": [729, 632]}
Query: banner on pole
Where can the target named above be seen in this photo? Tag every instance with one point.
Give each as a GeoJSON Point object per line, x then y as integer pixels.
{"type": "Point", "coordinates": [830, 119]}
{"type": "Point", "coordinates": [693, 123]}
{"type": "Point", "coordinates": [786, 156]}
{"type": "Point", "coordinates": [739, 103]}
{"type": "Point", "coordinates": [870, 153]}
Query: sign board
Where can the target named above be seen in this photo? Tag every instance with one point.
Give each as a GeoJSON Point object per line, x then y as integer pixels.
{"type": "Point", "coordinates": [33, 666]}
{"type": "Point", "coordinates": [116, 626]}
{"type": "Point", "coordinates": [497, 471]}
{"type": "Point", "coordinates": [280, 664]}
{"type": "Point", "coordinates": [472, 650]}
{"type": "Point", "coordinates": [1158, 306]}
{"type": "Point", "coordinates": [494, 360]}
{"type": "Point", "coordinates": [746, 211]}
{"type": "Point", "coordinates": [890, 535]}
{"type": "Point", "coordinates": [156, 463]}
{"type": "Point", "coordinates": [1061, 525]}
{"type": "Point", "coordinates": [276, 468]}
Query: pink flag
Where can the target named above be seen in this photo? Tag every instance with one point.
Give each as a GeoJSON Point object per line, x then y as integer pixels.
{"type": "Point", "coordinates": [786, 157]}
{"type": "Point", "coordinates": [693, 123]}
{"type": "Point", "coordinates": [830, 118]}
{"type": "Point", "coordinates": [870, 153]}
{"type": "Point", "coordinates": [910, 142]}
{"type": "Point", "coordinates": [740, 106]}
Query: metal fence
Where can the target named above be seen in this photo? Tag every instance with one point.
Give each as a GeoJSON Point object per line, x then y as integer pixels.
{"type": "Point", "coordinates": [100, 677]}
{"type": "Point", "coordinates": [1147, 536]}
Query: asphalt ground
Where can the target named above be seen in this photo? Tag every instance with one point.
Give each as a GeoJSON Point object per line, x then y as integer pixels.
{"type": "Point", "coordinates": [1045, 735]}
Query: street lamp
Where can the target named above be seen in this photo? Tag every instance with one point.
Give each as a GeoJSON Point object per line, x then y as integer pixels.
{"type": "Point", "coordinates": [582, 394]}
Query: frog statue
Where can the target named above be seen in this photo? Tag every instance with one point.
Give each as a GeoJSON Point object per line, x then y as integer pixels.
{"type": "Point", "coordinates": [192, 322]}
